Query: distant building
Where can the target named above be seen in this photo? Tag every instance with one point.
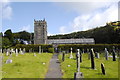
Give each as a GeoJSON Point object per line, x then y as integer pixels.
{"type": "Point", "coordinates": [40, 36]}
{"type": "Point", "coordinates": [72, 41]}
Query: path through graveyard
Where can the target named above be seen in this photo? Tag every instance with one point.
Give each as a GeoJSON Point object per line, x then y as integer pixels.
{"type": "Point", "coordinates": [54, 70]}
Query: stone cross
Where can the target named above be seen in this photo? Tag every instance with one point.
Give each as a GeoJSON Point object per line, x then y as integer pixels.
{"type": "Point", "coordinates": [78, 74]}
{"type": "Point", "coordinates": [92, 59]}
{"type": "Point", "coordinates": [39, 49]}
{"type": "Point", "coordinates": [78, 60]}
{"type": "Point", "coordinates": [71, 56]}
{"type": "Point", "coordinates": [106, 54]}
{"type": "Point", "coordinates": [103, 69]}
{"type": "Point", "coordinates": [113, 53]}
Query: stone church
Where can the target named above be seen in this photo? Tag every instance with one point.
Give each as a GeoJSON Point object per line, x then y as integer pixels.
{"type": "Point", "coordinates": [40, 36]}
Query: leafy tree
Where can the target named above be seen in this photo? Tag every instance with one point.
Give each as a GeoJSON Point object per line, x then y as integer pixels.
{"type": "Point", "coordinates": [8, 34]}
{"type": "Point", "coordinates": [6, 42]}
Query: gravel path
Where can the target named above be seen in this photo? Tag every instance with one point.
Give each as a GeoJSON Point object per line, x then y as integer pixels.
{"type": "Point", "coordinates": [54, 70]}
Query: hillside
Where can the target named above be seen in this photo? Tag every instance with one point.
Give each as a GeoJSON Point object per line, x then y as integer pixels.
{"type": "Point", "coordinates": [109, 34]}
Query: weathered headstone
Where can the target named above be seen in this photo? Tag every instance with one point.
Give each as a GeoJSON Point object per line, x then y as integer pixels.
{"type": "Point", "coordinates": [89, 56]}
{"type": "Point", "coordinates": [97, 55]}
{"type": "Point", "coordinates": [24, 51]}
{"type": "Point", "coordinates": [7, 53]}
{"type": "Point", "coordinates": [83, 51]}
{"type": "Point", "coordinates": [16, 52]}
{"type": "Point", "coordinates": [106, 54]}
{"type": "Point", "coordinates": [21, 52]}
{"type": "Point", "coordinates": [8, 61]}
{"type": "Point", "coordinates": [34, 54]}
{"type": "Point", "coordinates": [92, 59]}
{"type": "Point", "coordinates": [39, 49]}
{"type": "Point", "coordinates": [71, 56]}
{"type": "Point", "coordinates": [63, 56]}
{"type": "Point", "coordinates": [88, 51]}
{"type": "Point", "coordinates": [113, 53]}
{"type": "Point", "coordinates": [1, 50]}
{"type": "Point", "coordinates": [103, 68]}
{"type": "Point", "coordinates": [80, 55]}
{"type": "Point", "coordinates": [78, 74]}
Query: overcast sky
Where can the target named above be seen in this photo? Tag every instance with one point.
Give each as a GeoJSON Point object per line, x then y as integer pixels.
{"type": "Point", "coordinates": [62, 17]}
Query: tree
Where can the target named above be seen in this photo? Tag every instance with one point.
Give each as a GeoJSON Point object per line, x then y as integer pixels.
{"type": "Point", "coordinates": [6, 42]}
{"type": "Point", "coordinates": [8, 34]}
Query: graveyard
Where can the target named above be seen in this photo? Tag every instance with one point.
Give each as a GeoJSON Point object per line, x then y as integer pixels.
{"type": "Point", "coordinates": [68, 66]}
{"type": "Point", "coordinates": [90, 64]}
{"type": "Point", "coordinates": [28, 65]}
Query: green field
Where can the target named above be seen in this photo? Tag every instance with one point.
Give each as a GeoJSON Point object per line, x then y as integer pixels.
{"type": "Point", "coordinates": [26, 66]}
{"type": "Point", "coordinates": [111, 67]}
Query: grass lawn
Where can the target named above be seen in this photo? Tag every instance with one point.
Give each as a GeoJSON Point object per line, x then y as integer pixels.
{"type": "Point", "coordinates": [111, 67]}
{"type": "Point", "coordinates": [26, 66]}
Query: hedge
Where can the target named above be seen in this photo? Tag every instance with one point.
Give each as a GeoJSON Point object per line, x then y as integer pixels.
{"type": "Point", "coordinates": [66, 47]}
{"type": "Point", "coordinates": [96, 47]}
{"type": "Point", "coordinates": [34, 47]}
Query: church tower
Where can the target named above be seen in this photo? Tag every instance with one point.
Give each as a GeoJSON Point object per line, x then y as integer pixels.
{"type": "Point", "coordinates": [40, 32]}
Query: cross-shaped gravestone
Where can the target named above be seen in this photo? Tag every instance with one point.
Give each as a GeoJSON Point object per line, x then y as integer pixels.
{"type": "Point", "coordinates": [71, 56]}
{"type": "Point", "coordinates": [78, 74]}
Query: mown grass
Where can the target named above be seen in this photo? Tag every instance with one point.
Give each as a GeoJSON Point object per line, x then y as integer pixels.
{"type": "Point", "coordinates": [111, 67]}
{"type": "Point", "coordinates": [26, 66]}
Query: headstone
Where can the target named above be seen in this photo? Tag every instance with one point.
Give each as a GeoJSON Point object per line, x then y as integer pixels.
{"type": "Point", "coordinates": [39, 49]}
{"type": "Point", "coordinates": [80, 56]}
{"type": "Point", "coordinates": [88, 51]}
{"type": "Point", "coordinates": [106, 54]}
{"type": "Point", "coordinates": [92, 59]}
{"type": "Point", "coordinates": [83, 51]}
{"type": "Point", "coordinates": [8, 61]}
{"type": "Point", "coordinates": [7, 53]}
{"type": "Point", "coordinates": [113, 53]}
{"type": "Point", "coordinates": [42, 50]}
{"type": "Point", "coordinates": [63, 56]}
{"type": "Point", "coordinates": [97, 55]}
{"type": "Point", "coordinates": [16, 52]}
{"type": "Point", "coordinates": [103, 69]}
{"type": "Point", "coordinates": [24, 51]}
{"type": "Point", "coordinates": [71, 56]}
{"type": "Point", "coordinates": [21, 52]}
{"type": "Point", "coordinates": [34, 54]}
{"type": "Point", "coordinates": [78, 60]}
{"type": "Point", "coordinates": [1, 50]}
{"type": "Point", "coordinates": [78, 74]}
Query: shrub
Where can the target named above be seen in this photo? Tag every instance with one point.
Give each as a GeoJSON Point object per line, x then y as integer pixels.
{"type": "Point", "coordinates": [51, 50]}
